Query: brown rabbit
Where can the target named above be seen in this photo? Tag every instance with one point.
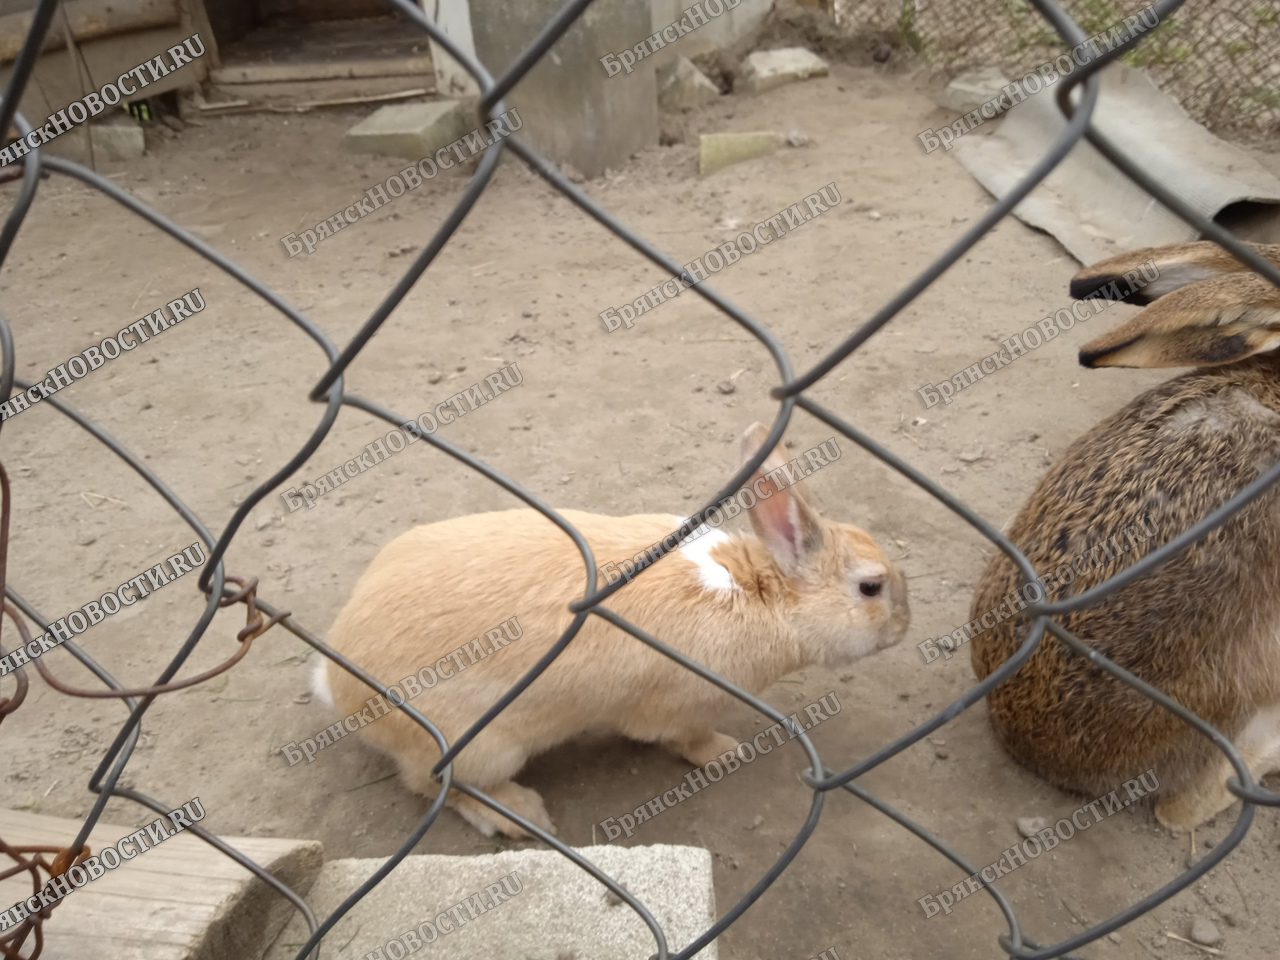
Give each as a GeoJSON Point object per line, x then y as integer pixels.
{"type": "Point", "coordinates": [1205, 626]}
{"type": "Point", "coordinates": [807, 591]}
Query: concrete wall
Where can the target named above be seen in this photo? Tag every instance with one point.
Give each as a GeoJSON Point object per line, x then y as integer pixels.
{"type": "Point", "coordinates": [572, 110]}
{"type": "Point", "coordinates": [454, 18]}
{"type": "Point", "coordinates": [717, 33]}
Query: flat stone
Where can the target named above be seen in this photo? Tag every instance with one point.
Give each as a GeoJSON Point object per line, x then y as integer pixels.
{"type": "Point", "coordinates": [559, 909]}
{"type": "Point", "coordinates": [409, 130]}
{"type": "Point", "coordinates": [972, 88]}
{"type": "Point", "coordinates": [719, 150]}
{"type": "Point", "coordinates": [1205, 932]}
{"type": "Point", "coordinates": [681, 84]}
{"type": "Point", "coordinates": [767, 69]}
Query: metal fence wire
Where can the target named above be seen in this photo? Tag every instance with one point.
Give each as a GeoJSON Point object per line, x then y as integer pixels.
{"type": "Point", "coordinates": [1220, 60]}
{"type": "Point", "coordinates": [223, 589]}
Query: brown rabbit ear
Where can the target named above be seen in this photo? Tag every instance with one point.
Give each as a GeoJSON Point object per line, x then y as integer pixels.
{"type": "Point", "coordinates": [781, 516]}
{"type": "Point", "coordinates": [1210, 323]}
{"type": "Point", "coordinates": [1142, 276]}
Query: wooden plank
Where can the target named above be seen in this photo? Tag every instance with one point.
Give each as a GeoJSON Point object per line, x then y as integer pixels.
{"type": "Point", "coordinates": [51, 88]}
{"type": "Point", "coordinates": [407, 66]}
{"type": "Point", "coordinates": [90, 19]}
{"type": "Point", "coordinates": [303, 91]}
{"type": "Point", "coordinates": [181, 900]}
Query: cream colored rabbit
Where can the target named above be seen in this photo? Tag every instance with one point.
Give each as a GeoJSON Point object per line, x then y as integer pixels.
{"type": "Point", "coordinates": [1205, 626]}
{"type": "Point", "coordinates": [806, 591]}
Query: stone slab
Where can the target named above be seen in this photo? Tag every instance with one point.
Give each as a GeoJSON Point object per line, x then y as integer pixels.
{"type": "Point", "coordinates": [768, 69]}
{"type": "Point", "coordinates": [409, 130]}
{"type": "Point", "coordinates": [560, 910]}
{"type": "Point", "coordinates": [971, 89]}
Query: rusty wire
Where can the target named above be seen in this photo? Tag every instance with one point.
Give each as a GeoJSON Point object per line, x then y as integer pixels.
{"type": "Point", "coordinates": [31, 860]}
{"type": "Point", "coordinates": [330, 392]}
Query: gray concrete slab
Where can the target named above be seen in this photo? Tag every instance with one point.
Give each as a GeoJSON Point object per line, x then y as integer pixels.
{"type": "Point", "coordinates": [409, 130]}
{"type": "Point", "coordinates": [766, 69]}
{"type": "Point", "coordinates": [557, 910]}
{"type": "Point", "coordinates": [972, 88]}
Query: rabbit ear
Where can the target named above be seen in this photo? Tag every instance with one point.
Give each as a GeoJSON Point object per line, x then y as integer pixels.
{"type": "Point", "coordinates": [1152, 272]}
{"type": "Point", "coordinates": [781, 517]}
{"type": "Point", "coordinates": [1210, 323]}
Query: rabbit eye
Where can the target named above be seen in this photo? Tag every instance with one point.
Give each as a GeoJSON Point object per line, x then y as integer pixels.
{"type": "Point", "coordinates": [870, 588]}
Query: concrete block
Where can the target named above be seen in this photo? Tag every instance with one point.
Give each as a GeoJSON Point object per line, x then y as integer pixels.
{"type": "Point", "coordinates": [719, 150]}
{"type": "Point", "coordinates": [572, 109]}
{"type": "Point", "coordinates": [683, 85]}
{"type": "Point", "coordinates": [559, 909]}
{"type": "Point", "coordinates": [767, 69]}
{"type": "Point", "coordinates": [116, 139]}
{"type": "Point", "coordinates": [971, 89]}
{"type": "Point", "coordinates": [409, 130]}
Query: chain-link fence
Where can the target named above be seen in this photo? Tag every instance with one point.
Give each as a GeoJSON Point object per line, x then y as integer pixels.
{"type": "Point", "coordinates": [1219, 59]}
{"type": "Point", "coordinates": [223, 589]}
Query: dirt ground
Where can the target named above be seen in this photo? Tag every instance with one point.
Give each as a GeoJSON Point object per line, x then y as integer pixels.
{"type": "Point", "coordinates": [622, 422]}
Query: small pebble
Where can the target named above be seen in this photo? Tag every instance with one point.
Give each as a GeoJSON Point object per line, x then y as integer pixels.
{"type": "Point", "coordinates": [1205, 932]}
{"type": "Point", "coordinates": [1030, 826]}
{"type": "Point", "coordinates": [435, 376]}
{"type": "Point", "coordinates": [797, 139]}
{"type": "Point", "coordinates": [941, 754]}
{"type": "Point", "coordinates": [726, 386]}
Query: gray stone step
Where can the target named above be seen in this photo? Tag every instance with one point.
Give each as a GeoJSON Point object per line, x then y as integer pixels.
{"type": "Point", "coordinates": [547, 908]}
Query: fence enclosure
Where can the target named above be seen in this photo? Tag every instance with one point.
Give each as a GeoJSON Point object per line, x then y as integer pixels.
{"type": "Point", "coordinates": [964, 24]}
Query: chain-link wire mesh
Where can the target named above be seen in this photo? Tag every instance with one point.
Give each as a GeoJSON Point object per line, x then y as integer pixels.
{"type": "Point", "coordinates": [1220, 60]}
{"type": "Point", "coordinates": [790, 394]}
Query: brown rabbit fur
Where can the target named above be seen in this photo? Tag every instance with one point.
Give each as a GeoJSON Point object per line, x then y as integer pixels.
{"type": "Point", "coordinates": [795, 599]}
{"type": "Point", "coordinates": [1205, 626]}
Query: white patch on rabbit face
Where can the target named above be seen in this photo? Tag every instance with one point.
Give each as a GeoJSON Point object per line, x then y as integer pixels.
{"type": "Point", "coordinates": [320, 682]}
{"type": "Point", "coordinates": [711, 575]}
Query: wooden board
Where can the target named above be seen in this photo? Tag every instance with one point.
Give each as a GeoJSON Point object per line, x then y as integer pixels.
{"type": "Point", "coordinates": [52, 88]}
{"type": "Point", "coordinates": [313, 90]}
{"type": "Point", "coordinates": [402, 66]}
{"type": "Point", "coordinates": [90, 19]}
{"type": "Point", "coordinates": [181, 900]}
